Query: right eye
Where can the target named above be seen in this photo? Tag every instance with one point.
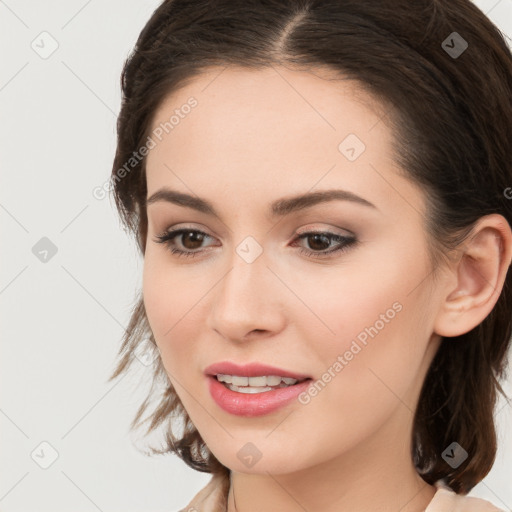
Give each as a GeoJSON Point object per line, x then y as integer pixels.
{"type": "Point", "coordinates": [189, 237]}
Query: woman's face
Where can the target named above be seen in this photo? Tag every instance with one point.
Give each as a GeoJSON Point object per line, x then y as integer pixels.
{"type": "Point", "coordinates": [358, 321]}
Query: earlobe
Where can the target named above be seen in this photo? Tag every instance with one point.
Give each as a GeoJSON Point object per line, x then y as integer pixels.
{"type": "Point", "coordinates": [479, 273]}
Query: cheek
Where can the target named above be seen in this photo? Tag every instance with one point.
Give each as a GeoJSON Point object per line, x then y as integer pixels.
{"type": "Point", "coordinates": [362, 383]}
{"type": "Point", "coordinates": [371, 330]}
{"type": "Point", "coordinates": [376, 330]}
{"type": "Point", "coordinates": [351, 302]}
{"type": "Point", "coordinates": [176, 308]}
{"type": "Point", "coordinates": [156, 296]}
{"type": "Point", "coordinates": [166, 302]}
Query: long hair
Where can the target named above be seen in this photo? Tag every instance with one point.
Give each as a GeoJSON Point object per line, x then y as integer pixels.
{"type": "Point", "coordinates": [443, 71]}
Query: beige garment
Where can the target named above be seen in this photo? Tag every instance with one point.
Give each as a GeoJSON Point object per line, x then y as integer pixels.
{"type": "Point", "coordinates": [445, 500]}
{"type": "Point", "coordinates": [213, 498]}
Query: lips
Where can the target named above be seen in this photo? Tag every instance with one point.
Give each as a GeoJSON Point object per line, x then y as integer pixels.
{"type": "Point", "coordinates": [251, 405]}
{"type": "Point", "coordinates": [249, 401]}
{"type": "Point", "coordinates": [251, 370]}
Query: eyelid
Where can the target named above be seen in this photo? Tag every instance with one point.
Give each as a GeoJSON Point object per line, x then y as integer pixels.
{"type": "Point", "coordinates": [195, 227]}
{"type": "Point", "coordinates": [329, 228]}
{"type": "Point", "coordinates": [295, 233]}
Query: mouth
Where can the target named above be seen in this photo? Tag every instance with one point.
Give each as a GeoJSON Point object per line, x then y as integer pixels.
{"type": "Point", "coordinates": [257, 384]}
{"type": "Point", "coordinates": [253, 377]}
{"type": "Point", "coordinates": [255, 389]}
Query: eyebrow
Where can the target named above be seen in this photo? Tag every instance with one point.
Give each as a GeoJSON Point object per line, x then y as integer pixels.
{"type": "Point", "coordinates": [278, 208]}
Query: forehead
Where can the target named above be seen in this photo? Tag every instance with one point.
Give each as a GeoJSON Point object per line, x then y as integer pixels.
{"type": "Point", "coordinates": [277, 110]}
{"type": "Point", "coordinates": [271, 128]}
{"type": "Point", "coordinates": [227, 99]}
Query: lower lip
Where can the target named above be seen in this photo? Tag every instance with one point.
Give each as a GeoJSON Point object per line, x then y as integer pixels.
{"type": "Point", "coordinates": [257, 404]}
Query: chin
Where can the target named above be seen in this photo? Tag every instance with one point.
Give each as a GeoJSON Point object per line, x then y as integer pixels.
{"type": "Point", "coordinates": [254, 459]}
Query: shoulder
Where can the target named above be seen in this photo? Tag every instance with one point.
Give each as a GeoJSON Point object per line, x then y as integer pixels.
{"type": "Point", "coordinates": [446, 500]}
{"type": "Point", "coordinates": [212, 497]}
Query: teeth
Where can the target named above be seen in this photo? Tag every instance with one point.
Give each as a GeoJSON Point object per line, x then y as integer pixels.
{"type": "Point", "coordinates": [240, 381]}
{"type": "Point", "coordinates": [259, 382]}
{"type": "Point", "coordinates": [228, 379]}
{"type": "Point", "coordinates": [248, 389]}
{"type": "Point", "coordinates": [273, 380]}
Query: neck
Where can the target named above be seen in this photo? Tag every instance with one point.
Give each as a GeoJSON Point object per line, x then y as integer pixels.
{"type": "Point", "coordinates": [249, 493]}
{"type": "Point", "coordinates": [375, 476]}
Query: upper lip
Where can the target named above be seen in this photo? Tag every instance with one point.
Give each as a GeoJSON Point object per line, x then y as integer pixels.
{"type": "Point", "coordinates": [251, 370]}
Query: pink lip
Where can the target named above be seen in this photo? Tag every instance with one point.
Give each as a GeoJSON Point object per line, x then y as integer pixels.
{"type": "Point", "coordinates": [243, 404]}
{"type": "Point", "coordinates": [250, 370]}
{"type": "Point", "coordinates": [250, 405]}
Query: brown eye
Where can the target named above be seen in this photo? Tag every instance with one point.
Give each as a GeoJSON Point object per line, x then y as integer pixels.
{"type": "Point", "coordinates": [190, 240]}
{"type": "Point", "coordinates": [319, 241]}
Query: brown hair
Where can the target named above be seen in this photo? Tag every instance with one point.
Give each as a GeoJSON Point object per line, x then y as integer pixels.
{"type": "Point", "coordinates": [452, 121]}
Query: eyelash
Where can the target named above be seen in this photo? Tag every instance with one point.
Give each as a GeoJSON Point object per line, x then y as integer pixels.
{"type": "Point", "coordinates": [167, 237]}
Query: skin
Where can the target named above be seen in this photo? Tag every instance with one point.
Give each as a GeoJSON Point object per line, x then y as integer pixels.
{"type": "Point", "coordinates": [254, 137]}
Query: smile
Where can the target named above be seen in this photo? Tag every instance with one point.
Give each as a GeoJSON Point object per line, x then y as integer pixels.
{"type": "Point", "coordinates": [259, 384]}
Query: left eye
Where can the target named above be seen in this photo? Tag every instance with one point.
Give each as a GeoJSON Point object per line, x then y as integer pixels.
{"type": "Point", "coordinates": [193, 239]}
{"type": "Point", "coordinates": [323, 238]}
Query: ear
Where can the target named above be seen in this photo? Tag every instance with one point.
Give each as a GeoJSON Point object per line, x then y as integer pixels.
{"type": "Point", "coordinates": [479, 273]}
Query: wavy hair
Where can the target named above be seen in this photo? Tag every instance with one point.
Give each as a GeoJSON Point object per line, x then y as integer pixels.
{"type": "Point", "coordinates": [452, 123]}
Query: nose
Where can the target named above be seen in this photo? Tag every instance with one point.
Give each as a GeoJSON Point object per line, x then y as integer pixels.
{"type": "Point", "coordinates": [247, 302]}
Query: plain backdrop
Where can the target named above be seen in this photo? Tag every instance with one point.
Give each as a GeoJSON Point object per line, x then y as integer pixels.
{"type": "Point", "coordinates": [69, 273]}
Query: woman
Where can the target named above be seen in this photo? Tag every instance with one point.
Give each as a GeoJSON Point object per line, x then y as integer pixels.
{"type": "Point", "coordinates": [320, 191]}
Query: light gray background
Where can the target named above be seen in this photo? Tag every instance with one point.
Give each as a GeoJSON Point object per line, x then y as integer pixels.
{"type": "Point", "coordinates": [62, 320]}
